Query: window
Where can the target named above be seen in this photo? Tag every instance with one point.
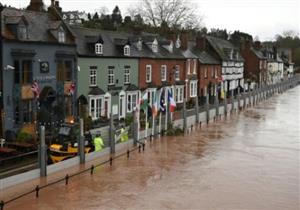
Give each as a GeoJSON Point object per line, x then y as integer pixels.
{"type": "Point", "coordinates": [131, 101]}
{"type": "Point", "coordinates": [212, 72]}
{"type": "Point", "coordinates": [177, 72]}
{"type": "Point", "coordinates": [96, 107]}
{"type": "Point", "coordinates": [151, 95]}
{"type": "Point", "coordinates": [179, 94]}
{"type": "Point", "coordinates": [61, 35]}
{"type": "Point", "coordinates": [127, 50]}
{"type": "Point", "coordinates": [188, 66]}
{"type": "Point", "coordinates": [195, 67]}
{"type": "Point", "coordinates": [163, 72]}
{"type": "Point", "coordinates": [148, 73]}
{"type": "Point", "coordinates": [93, 75]}
{"type": "Point", "coordinates": [27, 111]}
{"type": "Point", "coordinates": [205, 72]}
{"type": "Point", "coordinates": [193, 89]}
{"type": "Point", "coordinates": [23, 32]}
{"type": "Point", "coordinates": [216, 72]}
{"type": "Point", "coordinates": [155, 46]}
{"type": "Point", "coordinates": [99, 49]}
{"type": "Point", "coordinates": [127, 75]}
{"type": "Point", "coordinates": [205, 90]}
{"type": "Point", "coordinates": [111, 75]}
{"type": "Point", "coordinates": [64, 71]}
{"type": "Point", "coordinates": [27, 76]}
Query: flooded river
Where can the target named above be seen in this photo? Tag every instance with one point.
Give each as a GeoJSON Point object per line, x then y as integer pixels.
{"type": "Point", "coordinates": [249, 161]}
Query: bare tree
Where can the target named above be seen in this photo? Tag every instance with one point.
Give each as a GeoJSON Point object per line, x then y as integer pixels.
{"type": "Point", "coordinates": [175, 13]}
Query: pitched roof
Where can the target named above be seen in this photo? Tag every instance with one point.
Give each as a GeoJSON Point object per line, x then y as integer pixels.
{"type": "Point", "coordinates": [258, 53]}
{"type": "Point", "coordinates": [224, 49]}
{"type": "Point", "coordinates": [40, 25]}
{"type": "Point", "coordinates": [115, 41]}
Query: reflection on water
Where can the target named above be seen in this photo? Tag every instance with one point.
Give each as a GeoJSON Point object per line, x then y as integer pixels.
{"type": "Point", "coordinates": [250, 161]}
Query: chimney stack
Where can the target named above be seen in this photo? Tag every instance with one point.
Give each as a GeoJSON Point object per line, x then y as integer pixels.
{"type": "Point", "coordinates": [201, 42]}
{"type": "Point", "coordinates": [184, 40]}
{"type": "Point", "coordinates": [257, 45]}
{"type": "Point", "coordinates": [36, 5]}
{"type": "Point", "coordinates": [248, 44]}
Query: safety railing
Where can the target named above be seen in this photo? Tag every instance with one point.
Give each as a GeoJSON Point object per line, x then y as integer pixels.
{"type": "Point", "coordinates": [67, 177]}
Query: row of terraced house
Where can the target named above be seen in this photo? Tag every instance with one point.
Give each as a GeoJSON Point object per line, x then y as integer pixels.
{"type": "Point", "coordinates": [53, 71]}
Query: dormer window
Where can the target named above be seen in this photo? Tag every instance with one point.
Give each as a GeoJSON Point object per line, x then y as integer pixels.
{"type": "Point", "coordinates": [61, 35]}
{"type": "Point", "coordinates": [99, 49]}
{"type": "Point", "coordinates": [178, 42]}
{"type": "Point", "coordinates": [171, 46]}
{"type": "Point", "coordinates": [23, 32]}
{"type": "Point", "coordinates": [127, 50]}
{"type": "Point", "coordinates": [155, 46]}
{"type": "Point", "coordinates": [139, 45]}
{"type": "Point", "coordinates": [231, 54]}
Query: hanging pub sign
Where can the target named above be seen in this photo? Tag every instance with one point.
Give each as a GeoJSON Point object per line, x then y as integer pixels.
{"type": "Point", "coordinates": [44, 67]}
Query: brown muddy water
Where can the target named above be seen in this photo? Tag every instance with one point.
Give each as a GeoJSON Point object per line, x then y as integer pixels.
{"type": "Point", "coordinates": [250, 161]}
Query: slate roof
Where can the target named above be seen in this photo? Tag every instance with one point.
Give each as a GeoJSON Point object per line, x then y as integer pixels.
{"type": "Point", "coordinates": [258, 53]}
{"type": "Point", "coordinates": [132, 87]}
{"type": "Point", "coordinates": [113, 43]}
{"type": "Point", "coordinates": [223, 48]}
{"type": "Point", "coordinates": [39, 24]}
{"type": "Point", "coordinates": [96, 91]}
{"type": "Point", "coordinates": [86, 38]}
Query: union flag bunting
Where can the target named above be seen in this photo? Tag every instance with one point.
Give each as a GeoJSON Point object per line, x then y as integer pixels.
{"type": "Point", "coordinates": [35, 89]}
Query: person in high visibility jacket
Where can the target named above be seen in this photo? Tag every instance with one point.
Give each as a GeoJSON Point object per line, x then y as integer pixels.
{"type": "Point", "coordinates": [124, 134]}
{"type": "Point", "coordinates": [98, 143]}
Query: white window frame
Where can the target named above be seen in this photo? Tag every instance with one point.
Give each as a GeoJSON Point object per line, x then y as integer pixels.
{"type": "Point", "coordinates": [151, 93]}
{"type": "Point", "coordinates": [61, 34]}
{"type": "Point", "coordinates": [93, 77]}
{"type": "Point", "coordinates": [188, 66]}
{"type": "Point", "coordinates": [126, 75]}
{"type": "Point", "coordinates": [97, 111]}
{"type": "Point", "coordinates": [177, 73]}
{"type": "Point", "coordinates": [195, 66]}
{"type": "Point", "coordinates": [179, 92]}
{"type": "Point", "coordinates": [212, 72]}
{"type": "Point", "coordinates": [111, 76]}
{"type": "Point", "coordinates": [99, 49]}
{"type": "Point", "coordinates": [130, 104]}
{"type": "Point", "coordinates": [148, 73]}
{"type": "Point", "coordinates": [127, 50]}
{"type": "Point", "coordinates": [193, 88]}
{"type": "Point", "coordinates": [205, 72]}
{"type": "Point", "coordinates": [23, 32]}
{"type": "Point", "coordinates": [163, 72]}
{"type": "Point", "coordinates": [216, 72]}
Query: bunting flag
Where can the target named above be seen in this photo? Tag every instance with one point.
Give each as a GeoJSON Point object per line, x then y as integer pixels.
{"type": "Point", "coordinates": [162, 105]}
{"type": "Point", "coordinates": [172, 102]}
{"type": "Point", "coordinates": [144, 102]}
{"type": "Point", "coordinates": [154, 106]}
{"type": "Point", "coordinates": [72, 89]}
{"type": "Point", "coordinates": [35, 89]}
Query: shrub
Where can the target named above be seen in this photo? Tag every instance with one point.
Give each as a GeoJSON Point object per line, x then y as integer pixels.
{"type": "Point", "coordinates": [24, 137]}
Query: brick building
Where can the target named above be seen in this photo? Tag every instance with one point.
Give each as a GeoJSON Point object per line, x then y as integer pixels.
{"type": "Point", "coordinates": [255, 63]}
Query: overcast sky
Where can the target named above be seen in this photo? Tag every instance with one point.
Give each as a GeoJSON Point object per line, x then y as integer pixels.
{"type": "Point", "coordinates": [262, 18]}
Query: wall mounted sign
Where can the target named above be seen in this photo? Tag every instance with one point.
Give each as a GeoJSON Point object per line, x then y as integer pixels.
{"type": "Point", "coordinates": [43, 79]}
{"type": "Point", "coordinates": [44, 67]}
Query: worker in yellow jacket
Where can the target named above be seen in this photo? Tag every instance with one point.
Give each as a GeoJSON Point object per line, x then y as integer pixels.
{"type": "Point", "coordinates": [124, 134]}
{"type": "Point", "coordinates": [98, 143]}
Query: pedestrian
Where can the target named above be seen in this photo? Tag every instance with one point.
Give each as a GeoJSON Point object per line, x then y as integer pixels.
{"type": "Point", "coordinates": [124, 134]}
{"type": "Point", "coordinates": [98, 142]}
